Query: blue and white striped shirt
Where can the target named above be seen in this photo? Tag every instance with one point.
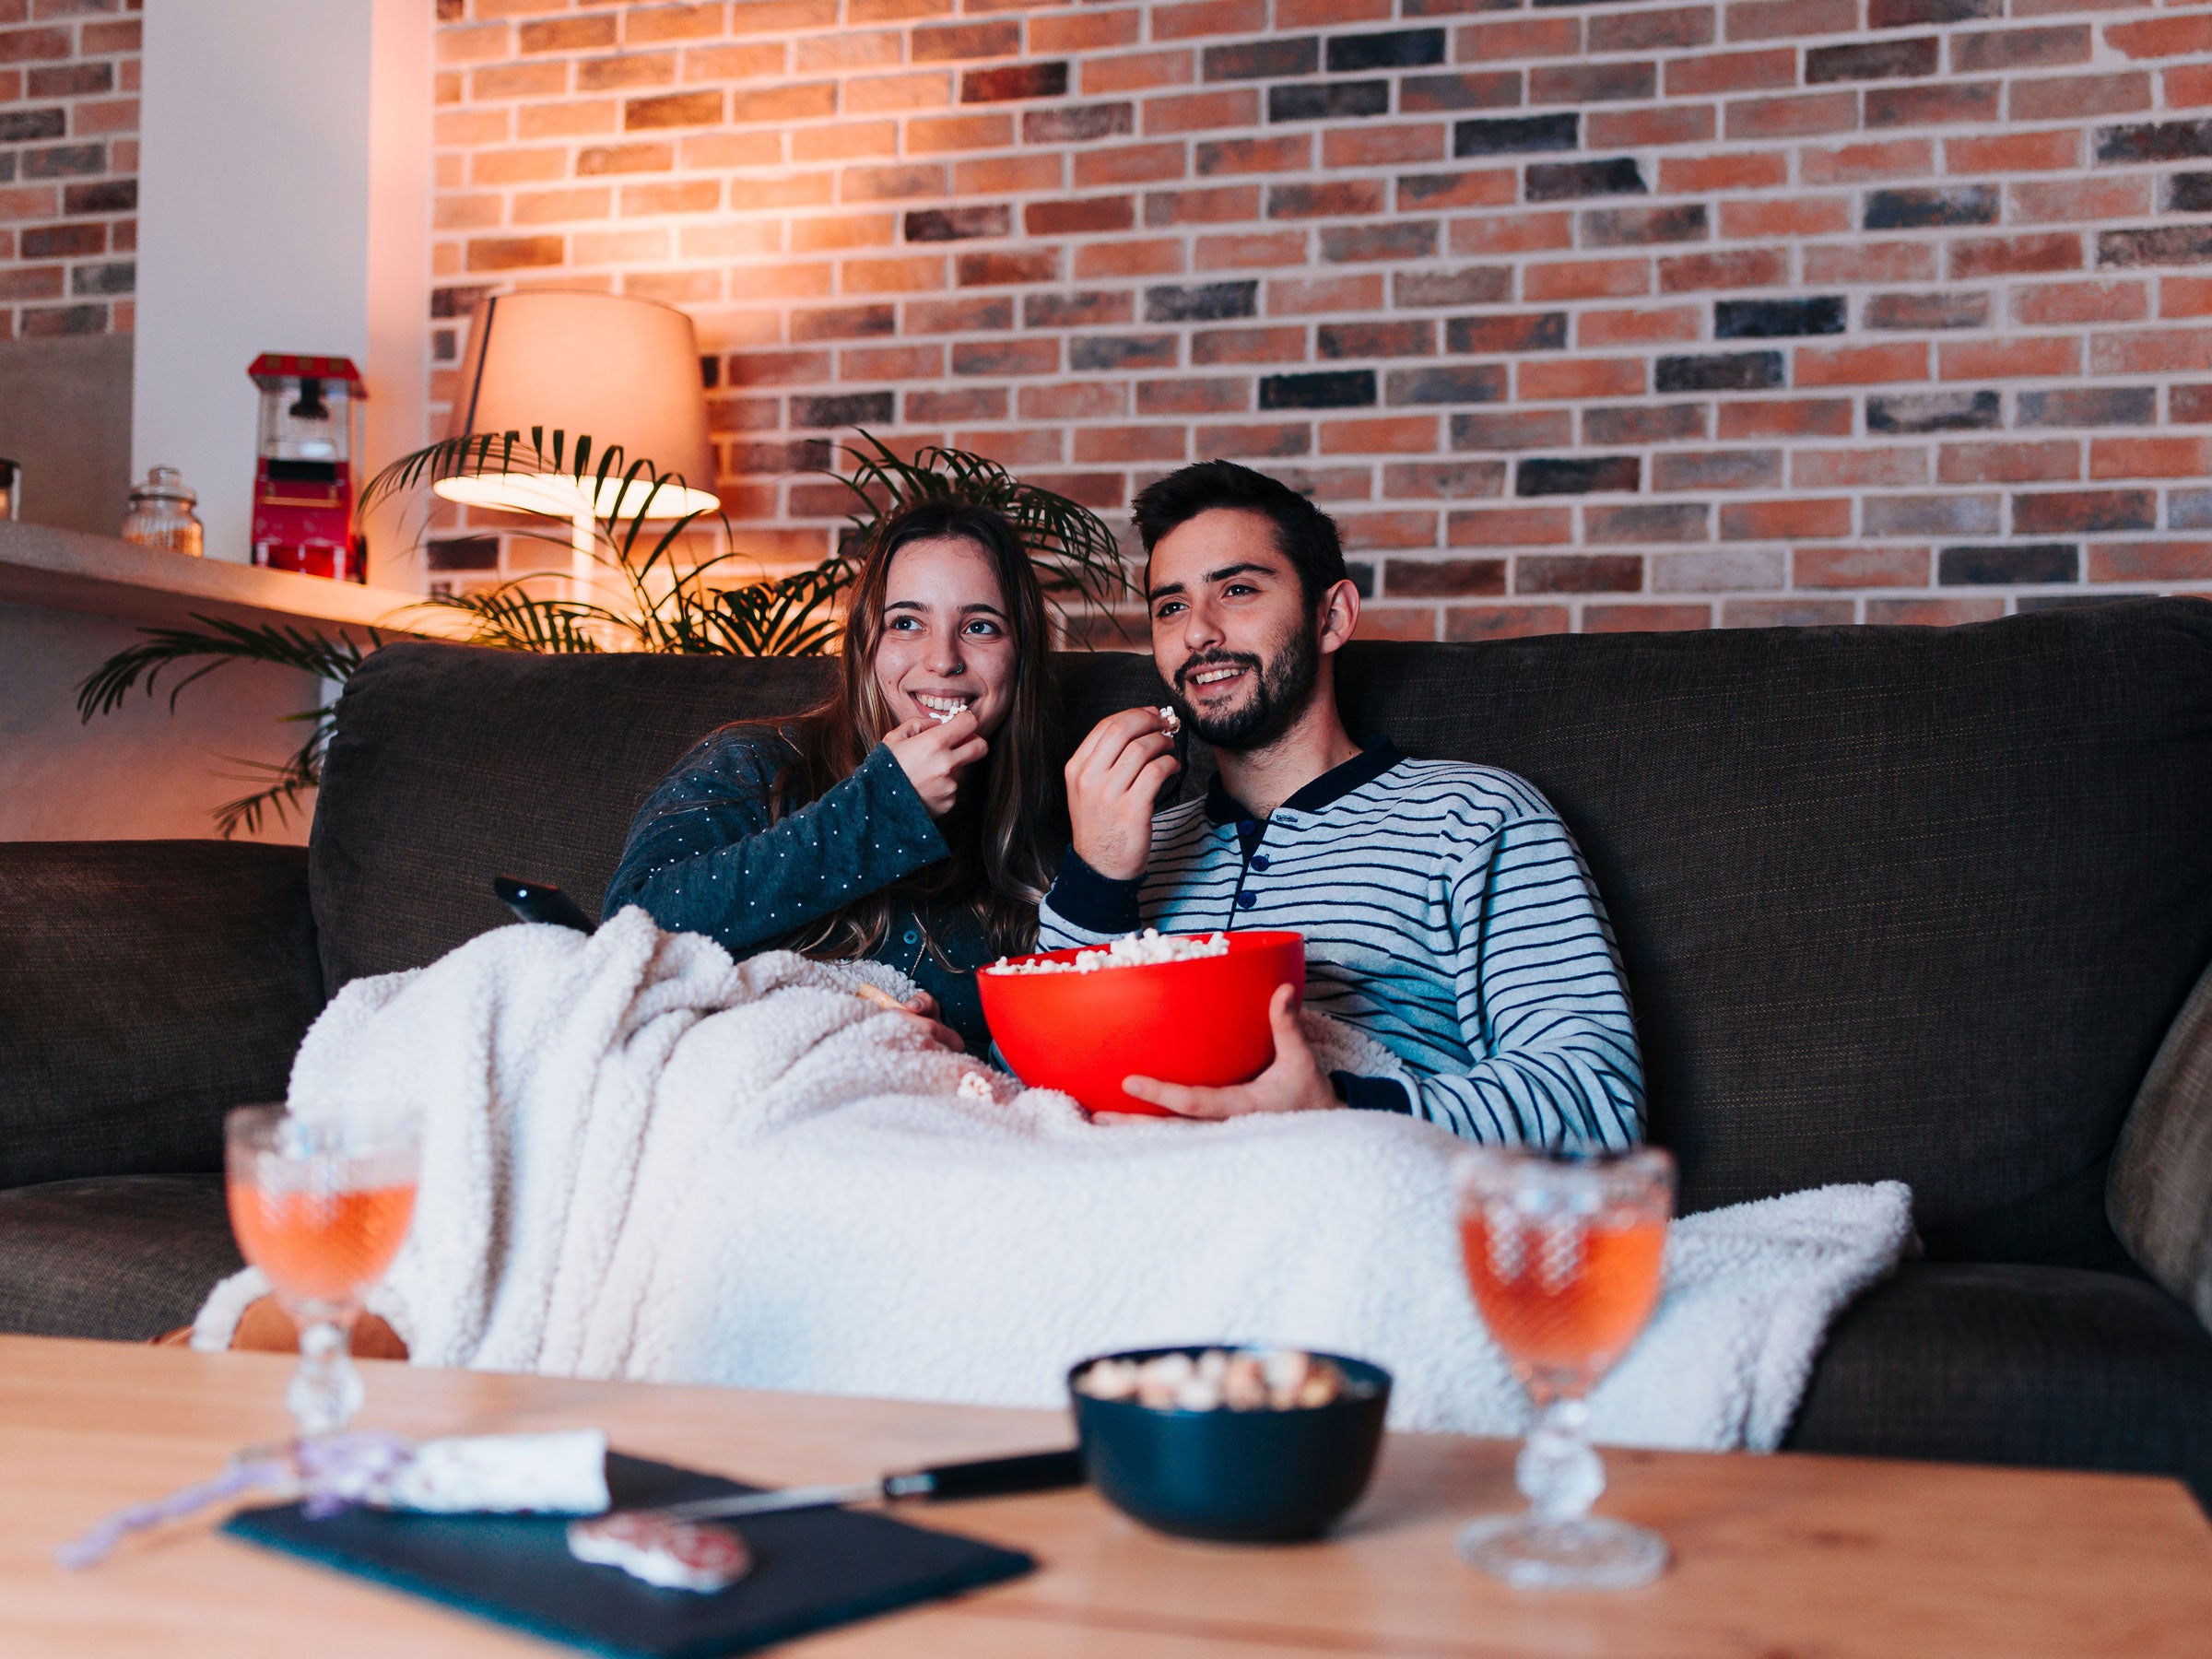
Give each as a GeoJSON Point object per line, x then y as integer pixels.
{"type": "Point", "coordinates": [1447, 914]}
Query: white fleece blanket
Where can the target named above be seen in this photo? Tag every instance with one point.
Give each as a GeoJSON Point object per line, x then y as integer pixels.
{"type": "Point", "coordinates": [642, 1161]}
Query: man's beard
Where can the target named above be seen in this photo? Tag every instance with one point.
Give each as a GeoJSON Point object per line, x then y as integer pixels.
{"type": "Point", "coordinates": [1282, 687]}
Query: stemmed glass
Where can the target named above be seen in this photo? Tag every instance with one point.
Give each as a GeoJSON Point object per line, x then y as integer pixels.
{"type": "Point", "coordinates": [321, 1206]}
{"type": "Point", "coordinates": [1563, 1255]}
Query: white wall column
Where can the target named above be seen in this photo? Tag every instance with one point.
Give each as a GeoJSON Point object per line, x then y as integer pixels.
{"type": "Point", "coordinates": [284, 205]}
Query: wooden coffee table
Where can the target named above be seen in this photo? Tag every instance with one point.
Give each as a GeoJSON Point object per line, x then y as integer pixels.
{"type": "Point", "coordinates": [1774, 1557]}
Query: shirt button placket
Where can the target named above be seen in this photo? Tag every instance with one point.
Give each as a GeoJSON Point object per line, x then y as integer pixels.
{"type": "Point", "coordinates": [1246, 898]}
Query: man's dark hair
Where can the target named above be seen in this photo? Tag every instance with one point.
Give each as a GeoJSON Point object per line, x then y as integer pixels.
{"type": "Point", "coordinates": [1303, 534]}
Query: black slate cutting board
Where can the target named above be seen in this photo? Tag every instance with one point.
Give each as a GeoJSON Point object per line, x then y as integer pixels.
{"type": "Point", "coordinates": [812, 1569]}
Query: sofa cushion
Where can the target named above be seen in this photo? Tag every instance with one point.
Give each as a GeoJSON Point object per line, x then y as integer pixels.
{"type": "Point", "coordinates": [1911, 903]}
{"type": "Point", "coordinates": [145, 987]}
{"type": "Point", "coordinates": [2056, 1366]}
{"type": "Point", "coordinates": [2160, 1193]}
{"type": "Point", "coordinates": [1896, 902]}
{"type": "Point", "coordinates": [453, 765]}
{"type": "Point", "coordinates": [126, 1257]}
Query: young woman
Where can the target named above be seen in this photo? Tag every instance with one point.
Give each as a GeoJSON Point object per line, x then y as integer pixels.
{"type": "Point", "coordinates": [898, 819]}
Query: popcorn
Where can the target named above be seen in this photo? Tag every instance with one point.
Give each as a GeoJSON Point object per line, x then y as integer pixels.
{"type": "Point", "coordinates": [1172, 721]}
{"type": "Point", "coordinates": [1140, 950]}
{"type": "Point", "coordinates": [1231, 1379]}
{"type": "Point", "coordinates": [941, 708]}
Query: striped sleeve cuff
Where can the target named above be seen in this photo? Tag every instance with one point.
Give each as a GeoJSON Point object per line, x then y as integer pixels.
{"type": "Point", "coordinates": [1095, 903]}
{"type": "Point", "coordinates": [1372, 1094]}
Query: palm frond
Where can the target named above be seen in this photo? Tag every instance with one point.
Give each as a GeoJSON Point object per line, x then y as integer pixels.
{"type": "Point", "coordinates": [510, 618]}
{"type": "Point", "coordinates": [222, 643]}
{"type": "Point", "coordinates": [287, 781]}
{"type": "Point", "coordinates": [791, 616]}
{"type": "Point", "coordinates": [472, 456]}
{"type": "Point", "coordinates": [679, 618]}
{"type": "Point", "coordinates": [590, 467]}
{"type": "Point", "coordinates": [1076, 551]}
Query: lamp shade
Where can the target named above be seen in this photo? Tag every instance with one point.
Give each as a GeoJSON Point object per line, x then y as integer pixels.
{"type": "Point", "coordinates": [621, 371]}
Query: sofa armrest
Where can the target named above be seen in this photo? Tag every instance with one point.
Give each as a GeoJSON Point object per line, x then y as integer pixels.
{"type": "Point", "coordinates": [2159, 1191]}
{"type": "Point", "coordinates": [145, 987]}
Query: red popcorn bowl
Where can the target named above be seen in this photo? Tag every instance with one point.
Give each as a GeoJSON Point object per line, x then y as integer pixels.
{"type": "Point", "coordinates": [1202, 1021]}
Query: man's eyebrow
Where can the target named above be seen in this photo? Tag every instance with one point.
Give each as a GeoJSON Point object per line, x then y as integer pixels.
{"type": "Point", "coordinates": [1223, 574]}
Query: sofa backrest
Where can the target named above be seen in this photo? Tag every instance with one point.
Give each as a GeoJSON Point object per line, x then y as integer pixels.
{"type": "Point", "coordinates": [145, 988]}
{"type": "Point", "coordinates": [1909, 904]}
{"type": "Point", "coordinates": [450, 765]}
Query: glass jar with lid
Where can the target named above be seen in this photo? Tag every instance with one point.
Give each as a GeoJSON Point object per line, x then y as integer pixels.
{"type": "Point", "coordinates": [161, 513]}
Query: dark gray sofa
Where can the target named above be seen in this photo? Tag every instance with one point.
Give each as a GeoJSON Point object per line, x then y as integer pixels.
{"type": "Point", "coordinates": [1895, 902]}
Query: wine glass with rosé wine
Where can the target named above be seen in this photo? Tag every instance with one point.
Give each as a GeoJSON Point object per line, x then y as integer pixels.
{"type": "Point", "coordinates": [321, 1206]}
{"type": "Point", "coordinates": [1564, 1258]}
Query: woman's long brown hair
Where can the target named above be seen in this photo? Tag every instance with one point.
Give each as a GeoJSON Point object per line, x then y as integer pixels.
{"type": "Point", "coordinates": [996, 871]}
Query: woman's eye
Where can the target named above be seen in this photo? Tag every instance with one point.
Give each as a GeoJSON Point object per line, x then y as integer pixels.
{"type": "Point", "coordinates": [983, 631]}
{"type": "Point", "coordinates": [904, 624]}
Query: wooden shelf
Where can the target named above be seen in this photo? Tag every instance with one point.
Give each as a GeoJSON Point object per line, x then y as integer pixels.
{"type": "Point", "coordinates": [100, 576]}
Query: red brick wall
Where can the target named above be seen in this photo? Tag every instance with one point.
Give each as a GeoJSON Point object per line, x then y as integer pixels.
{"type": "Point", "coordinates": [68, 166]}
{"type": "Point", "coordinates": [1592, 316]}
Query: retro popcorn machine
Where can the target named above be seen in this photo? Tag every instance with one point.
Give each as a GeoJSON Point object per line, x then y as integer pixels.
{"type": "Point", "coordinates": [303, 481]}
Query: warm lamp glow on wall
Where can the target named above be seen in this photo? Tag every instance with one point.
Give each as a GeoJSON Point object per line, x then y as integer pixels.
{"type": "Point", "coordinates": [624, 371]}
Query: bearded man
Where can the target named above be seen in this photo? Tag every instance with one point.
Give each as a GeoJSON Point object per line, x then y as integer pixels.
{"type": "Point", "coordinates": [1446, 910]}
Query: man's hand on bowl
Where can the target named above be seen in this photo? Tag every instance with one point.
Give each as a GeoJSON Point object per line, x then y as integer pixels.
{"type": "Point", "coordinates": [1292, 1082]}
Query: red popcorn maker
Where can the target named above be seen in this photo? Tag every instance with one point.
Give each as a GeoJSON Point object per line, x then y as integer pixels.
{"type": "Point", "coordinates": [304, 479]}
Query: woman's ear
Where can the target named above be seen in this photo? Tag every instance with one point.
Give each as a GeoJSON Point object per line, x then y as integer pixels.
{"type": "Point", "coordinates": [1339, 616]}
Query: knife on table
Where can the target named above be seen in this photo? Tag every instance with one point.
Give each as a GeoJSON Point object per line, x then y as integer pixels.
{"type": "Point", "coordinates": [673, 1548]}
{"type": "Point", "coordinates": [989, 1477]}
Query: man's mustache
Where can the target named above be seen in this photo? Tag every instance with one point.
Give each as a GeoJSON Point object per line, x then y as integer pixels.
{"type": "Point", "coordinates": [1219, 659]}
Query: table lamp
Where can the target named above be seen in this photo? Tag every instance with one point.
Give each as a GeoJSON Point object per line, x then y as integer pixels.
{"type": "Point", "coordinates": [621, 371]}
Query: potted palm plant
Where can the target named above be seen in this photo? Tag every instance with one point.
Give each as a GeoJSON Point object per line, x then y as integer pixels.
{"type": "Point", "coordinates": [655, 596]}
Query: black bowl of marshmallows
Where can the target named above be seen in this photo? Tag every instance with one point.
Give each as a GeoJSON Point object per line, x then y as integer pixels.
{"type": "Point", "coordinates": [1247, 1444]}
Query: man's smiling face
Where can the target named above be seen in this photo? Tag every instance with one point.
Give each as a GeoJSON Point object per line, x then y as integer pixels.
{"type": "Point", "coordinates": [1232, 632]}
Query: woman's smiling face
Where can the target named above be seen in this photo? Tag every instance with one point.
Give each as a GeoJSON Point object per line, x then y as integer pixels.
{"type": "Point", "coordinates": [947, 643]}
